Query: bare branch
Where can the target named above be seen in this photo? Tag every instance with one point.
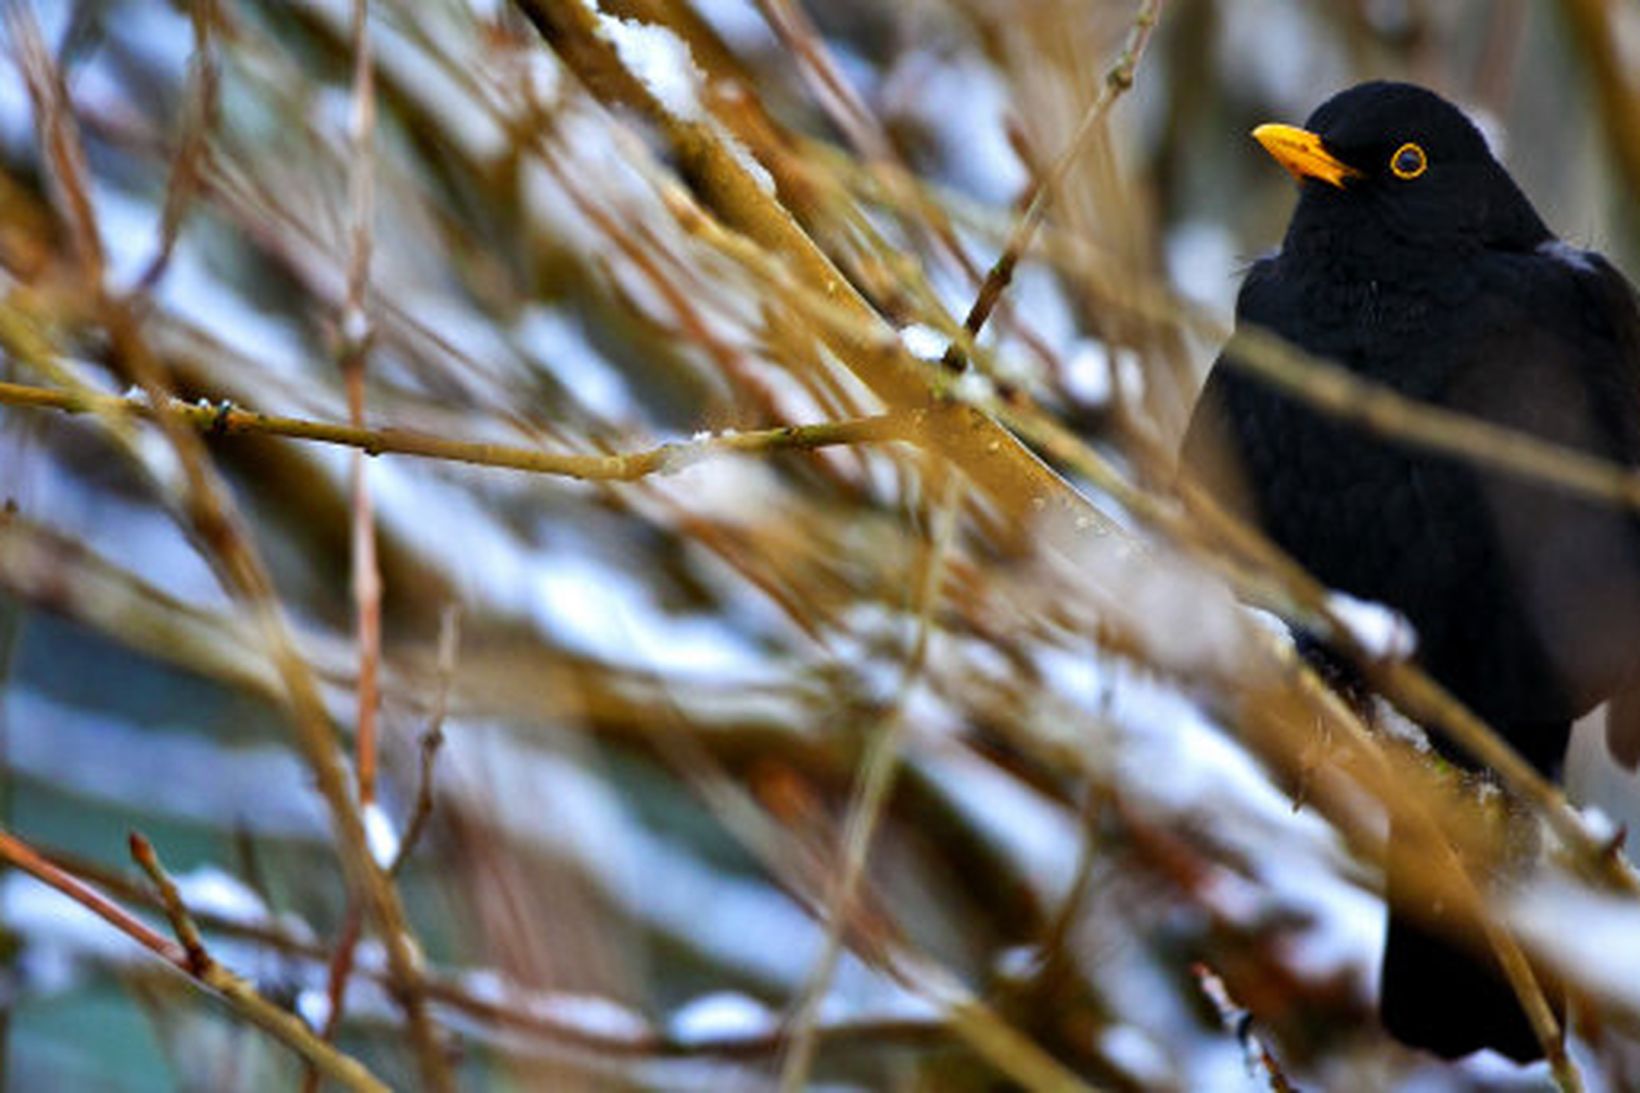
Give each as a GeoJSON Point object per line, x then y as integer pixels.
{"type": "Point", "coordinates": [193, 962]}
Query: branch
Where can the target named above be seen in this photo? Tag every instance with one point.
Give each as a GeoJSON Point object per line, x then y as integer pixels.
{"type": "Point", "coordinates": [191, 959]}
{"type": "Point", "coordinates": [1594, 26]}
{"type": "Point", "coordinates": [875, 782]}
{"type": "Point", "coordinates": [1014, 479]}
{"type": "Point", "coordinates": [432, 740]}
{"type": "Point", "coordinates": [513, 1009]}
{"type": "Point", "coordinates": [355, 354]}
{"type": "Point", "coordinates": [198, 118]}
{"type": "Point", "coordinates": [227, 420]}
{"type": "Point", "coordinates": [199, 961]}
{"type": "Point", "coordinates": [1117, 80]}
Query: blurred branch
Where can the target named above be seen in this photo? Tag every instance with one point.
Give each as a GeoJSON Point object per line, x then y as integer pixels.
{"type": "Point", "coordinates": [338, 971]}
{"type": "Point", "coordinates": [198, 117]}
{"type": "Point", "coordinates": [59, 137]}
{"type": "Point", "coordinates": [1297, 596]}
{"type": "Point", "coordinates": [449, 637]}
{"type": "Point", "coordinates": [1280, 585]}
{"type": "Point", "coordinates": [1381, 410]}
{"type": "Point", "coordinates": [872, 789]}
{"type": "Point", "coordinates": [1593, 28]}
{"type": "Point", "coordinates": [193, 962]}
{"type": "Point", "coordinates": [355, 354]}
{"type": "Point", "coordinates": [42, 566]}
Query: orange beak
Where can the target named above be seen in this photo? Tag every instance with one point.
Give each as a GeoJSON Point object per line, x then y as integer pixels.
{"type": "Point", "coordinates": [1301, 152]}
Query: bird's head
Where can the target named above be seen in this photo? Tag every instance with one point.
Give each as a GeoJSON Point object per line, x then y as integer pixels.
{"type": "Point", "coordinates": [1402, 160]}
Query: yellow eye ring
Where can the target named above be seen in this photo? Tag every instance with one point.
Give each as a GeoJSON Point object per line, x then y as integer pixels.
{"type": "Point", "coordinates": [1408, 161]}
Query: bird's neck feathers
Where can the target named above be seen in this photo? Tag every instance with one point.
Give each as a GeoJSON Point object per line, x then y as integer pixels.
{"type": "Point", "coordinates": [1369, 232]}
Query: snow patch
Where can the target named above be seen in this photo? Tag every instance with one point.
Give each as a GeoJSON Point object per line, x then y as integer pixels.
{"type": "Point", "coordinates": [661, 61]}
{"type": "Point", "coordinates": [923, 342]}
{"type": "Point", "coordinates": [1382, 631]}
{"type": "Point", "coordinates": [379, 833]}
{"type": "Point", "coordinates": [719, 1016]}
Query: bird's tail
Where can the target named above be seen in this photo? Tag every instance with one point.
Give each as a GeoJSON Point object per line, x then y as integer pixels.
{"type": "Point", "coordinates": [1439, 995]}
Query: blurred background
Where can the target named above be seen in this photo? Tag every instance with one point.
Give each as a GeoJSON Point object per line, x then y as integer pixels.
{"type": "Point", "coordinates": [770, 765]}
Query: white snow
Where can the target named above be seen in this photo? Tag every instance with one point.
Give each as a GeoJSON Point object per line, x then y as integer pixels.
{"type": "Point", "coordinates": [661, 61]}
{"type": "Point", "coordinates": [1087, 372]}
{"type": "Point", "coordinates": [208, 889]}
{"type": "Point", "coordinates": [962, 101]}
{"type": "Point", "coordinates": [380, 834]}
{"type": "Point", "coordinates": [593, 1014]}
{"type": "Point", "coordinates": [1382, 631]}
{"type": "Point", "coordinates": [313, 1007]}
{"type": "Point", "coordinates": [1589, 934]}
{"type": "Point", "coordinates": [719, 1016]}
{"type": "Point", "coordinates": [1139, 1057]}
{"type": "Point", "coordinates": [1042, 838]}
{"type": "Point", "coordinates": [1575, 257]}
{"type": "Point", "coordinates": [923, 342]}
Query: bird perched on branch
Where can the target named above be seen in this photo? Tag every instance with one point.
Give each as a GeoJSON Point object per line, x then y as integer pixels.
{"type": "Point", "coordinates": [1414, 261]}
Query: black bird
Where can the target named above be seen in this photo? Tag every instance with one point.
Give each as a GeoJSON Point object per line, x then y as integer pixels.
{"type": "Point", "coordinates": [1414, 260]}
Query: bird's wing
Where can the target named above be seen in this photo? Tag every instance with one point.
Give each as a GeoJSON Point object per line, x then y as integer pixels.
{"type": "Point", "coordinates": [1554, 350]}
{"type": "Point", "coordinates": [1210, 455]}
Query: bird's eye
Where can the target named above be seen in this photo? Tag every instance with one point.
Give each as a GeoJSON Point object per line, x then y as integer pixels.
{"type": "Point", "coordinates": [1408, 161]}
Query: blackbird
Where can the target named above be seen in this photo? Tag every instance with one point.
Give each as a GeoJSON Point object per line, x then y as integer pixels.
{"type": "Point", "coordinates": [1413, 259]}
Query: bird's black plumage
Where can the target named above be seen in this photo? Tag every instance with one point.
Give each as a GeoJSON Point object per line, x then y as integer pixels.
{"type": "Point", "coordinates": [1430, 272]}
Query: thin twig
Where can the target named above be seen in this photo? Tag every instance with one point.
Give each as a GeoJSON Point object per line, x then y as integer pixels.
{"type": "Point", "coordinates": [355, 354]}
{"type": "Point", "coordinates": [203, 505]}
{"type": "Point", "coordinates": [1379, 409]}
{"type": "Point", "coordinates": [338, 971]}
{"type": "Point", "coordinates": [343, 960]}
{"type": "Point", "coordinates": [1597, 27]}
{"type": "Point", "coordinates": [182, 924]}
{"type": "Point", "coordinates": [510, 1008]}
{"type": "Point", "coordinates": [198, 118]}
{"type": "Point", "coordinates": [240, 996]}
{"type": "Point", "coordinates": [449, 637]}
{"type": "Point", "coordinates": [993, 459]}
{"type": "Point", "coordinates": [30, 861]}
{"type": "Point", "coordinates": [1117, 81]}
{"type": "Point", "coordinates": [59, 137]}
